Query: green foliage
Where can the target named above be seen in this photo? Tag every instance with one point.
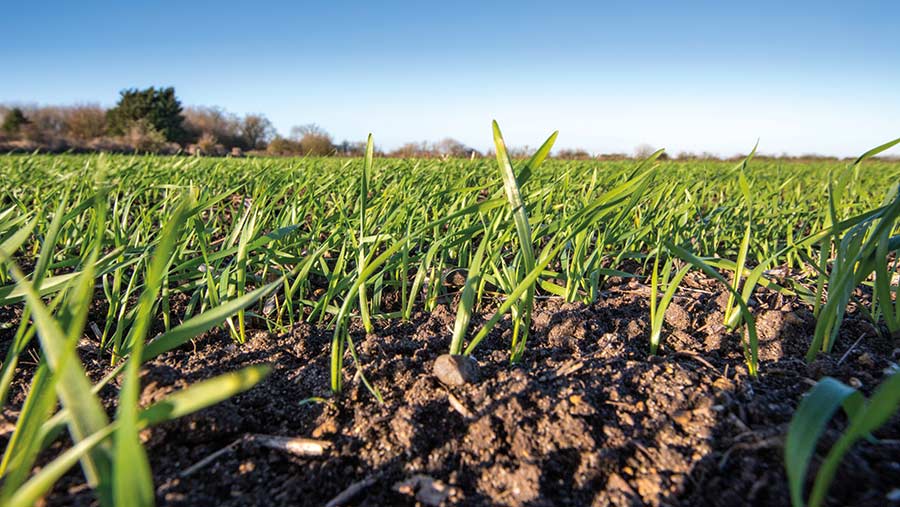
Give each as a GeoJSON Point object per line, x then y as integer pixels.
{"type": "Point", "coordinates": [13, 121]}
{"type": "Point", "coordinates": [265, 243]}
{"type": "Point", "coordinates": [467, 299]}
{"type": "Point", "coordinates": [810, 419]}
{"type": "Point", "coordinates": [368, 162]}
{"type": "Point", "coordinates": [60, 377]}
{"type": "Point", "coordinates": [862, 249]}
{"type": "Point", "coordinates": [521, 311]}
{"type": "Point", "coordinates": [155, 108]}
{"type": "Point", "coordinates": [667, 283]}
{"type": "Point", "coordinates": [750, 341]}
{"type": "Point", "coordinates": [732, 317]}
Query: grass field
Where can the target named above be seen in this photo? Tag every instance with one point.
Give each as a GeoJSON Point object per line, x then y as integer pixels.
{"type": "Point", "coordinates": [141, 255]}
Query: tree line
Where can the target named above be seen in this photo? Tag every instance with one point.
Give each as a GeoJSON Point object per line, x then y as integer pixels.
{"type": "Point", "coordinates": [153, 120]}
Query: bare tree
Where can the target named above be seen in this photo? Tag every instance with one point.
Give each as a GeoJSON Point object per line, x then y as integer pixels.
{"type": "Point", "coordinates": [257, 131]}
{"type": "Point", "coordinates": [352, 149]}
{"type": "Point", "coordinates": [643, 150]}
{"type": "Point", "coordinates": [572, 154]}
{"type": "Point", "coordinates": [85, 122]}
{"type": "Point", "coordinates": [47, 124]}
{"type": "Point", "coordinates": [450, 147]}
{"type": "Point", "coordinates": [214, 121]}
{"type": "Point", "coordinates": [298, 132]}
{"type": "Point", "coordinates": [312, 140]}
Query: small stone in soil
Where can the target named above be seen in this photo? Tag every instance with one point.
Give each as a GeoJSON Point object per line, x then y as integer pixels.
{"type": "Point", "coordinates": [427, 490]}
{"type": "Point", "coordinates": [866, 360]}
{"type": "Point", "coordinates": [455, 370]}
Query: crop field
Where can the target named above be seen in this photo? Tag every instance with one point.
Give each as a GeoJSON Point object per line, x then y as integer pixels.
{"type": "Point", "coordinates": [378, 331]}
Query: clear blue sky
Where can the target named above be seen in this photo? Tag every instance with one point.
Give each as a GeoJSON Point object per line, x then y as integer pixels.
{"type": "Point", "coordinates": [802, 76]}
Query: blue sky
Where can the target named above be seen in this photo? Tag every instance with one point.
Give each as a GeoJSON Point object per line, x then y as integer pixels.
{"type": "Point", "coordinates": [803, 77]}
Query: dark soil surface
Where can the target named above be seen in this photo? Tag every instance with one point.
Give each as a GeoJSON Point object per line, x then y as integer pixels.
{"type": "Point", "coordinates": [587, 419]}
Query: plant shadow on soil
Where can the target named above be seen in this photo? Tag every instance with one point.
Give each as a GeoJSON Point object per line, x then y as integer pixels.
{"type": "Point", "coordinates": [587, 418]}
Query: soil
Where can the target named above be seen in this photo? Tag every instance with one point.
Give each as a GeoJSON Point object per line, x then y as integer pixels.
{"type": "Point", "coordinates": [586, 419]}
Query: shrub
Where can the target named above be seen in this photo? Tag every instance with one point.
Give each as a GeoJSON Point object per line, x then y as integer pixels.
{"type": "Point", "coordinates": [316, 145]}
{"type": "Point", "coordinates": [207, 145]}
{"type": "Point", "coordinates": [313, 140]}
{"type": "Point", "coordinates": [13, 121]}
{"type": "Point", "coordinates": [46, 124]}
{"type": "Point", "coordinates": [109, 144]}
{"type": "Point", "coordinates": [86, 122]}
{"type": "Point", "coordinates": [144, 138]}
{"type": "Point", "coordinates": [212, 122]}
{"type": "Point", "coordinates": [156, 108]}
{"type": "Point", "coordinates": [282, 146]}
{"type": "Point", "coordinates": [570, 154]}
